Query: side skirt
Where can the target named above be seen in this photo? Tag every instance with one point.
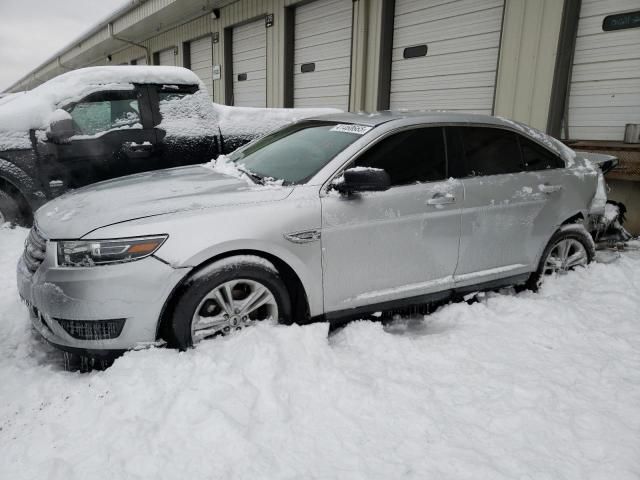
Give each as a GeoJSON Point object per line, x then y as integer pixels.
{"type": "Point", "coordinates": [340, 317]}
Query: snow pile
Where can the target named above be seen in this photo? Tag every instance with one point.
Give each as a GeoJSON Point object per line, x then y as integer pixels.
{"type": "Point", "coordinates": [248, 121]}
{"type": "Point", "coordinates": [195, 116]}
{"type": "Point", "coordinates": [517, 386]}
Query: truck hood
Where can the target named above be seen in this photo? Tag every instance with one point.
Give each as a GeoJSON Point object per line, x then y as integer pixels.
{"type": "Point", "coordinates": [76, 213]}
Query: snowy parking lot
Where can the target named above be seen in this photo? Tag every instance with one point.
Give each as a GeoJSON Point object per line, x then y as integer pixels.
{"type": "Point", "coordinates": [543, 386]}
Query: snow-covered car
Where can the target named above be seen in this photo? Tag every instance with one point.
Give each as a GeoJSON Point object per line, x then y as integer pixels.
{"type": "Point", "coordinates": [97, 123]}
{"type": "Point", "coordinates": [332, 217]}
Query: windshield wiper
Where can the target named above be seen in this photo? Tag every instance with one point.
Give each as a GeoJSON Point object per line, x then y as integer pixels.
{"type": "Point", "coordinates": [253, 176]}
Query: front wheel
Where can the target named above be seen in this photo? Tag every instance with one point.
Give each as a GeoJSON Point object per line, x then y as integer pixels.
{"type": "Point", "coordinates": [570, 247]}
{"type": "Point", "coordinates": [227, 296]}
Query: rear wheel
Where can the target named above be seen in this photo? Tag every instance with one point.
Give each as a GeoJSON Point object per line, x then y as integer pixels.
{"type": "Point", "coordinates": [9, 209]}
{"type": "Point", "coordinates": [568, 249]}
{"type": "Point", "coordinates": [227, 296]}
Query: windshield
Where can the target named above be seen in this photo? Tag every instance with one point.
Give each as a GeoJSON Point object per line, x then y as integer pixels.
{"type": "Point", "coordinates": [297, 152]}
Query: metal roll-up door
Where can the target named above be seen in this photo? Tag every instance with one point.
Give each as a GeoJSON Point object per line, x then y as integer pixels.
{"type": "Point", "coordinates": [167, 57]}
{"type": "Point", "coordinates": [445, 54]}
{"type": "Point", "coordinates": [201, 59]}
{"type": "Point", "coordinates": [249, 64]}
{"type": "Point", "coordinates": [322, 54]}
{"type": "Point", "coordinates": [604, 93]}
{"type": "Point", "coordinates": [139, 61]}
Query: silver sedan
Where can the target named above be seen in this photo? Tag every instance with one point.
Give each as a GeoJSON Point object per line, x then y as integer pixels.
{"type": "Point", "coordinates": [332, 217]}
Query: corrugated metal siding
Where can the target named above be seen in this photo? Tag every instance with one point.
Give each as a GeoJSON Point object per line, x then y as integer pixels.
{"type": "Point", "coordinates": [249, 58]}
{"type": "Point", "coordinates": [201, 55]}
{"type": "Point", "coordinates": [459, 70]}
{"type": "Point", "coordinates": [605, 79]}
{"type": "Point", "coordinates": [323, 38]}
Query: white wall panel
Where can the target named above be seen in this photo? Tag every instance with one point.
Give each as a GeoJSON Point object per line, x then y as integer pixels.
{"type": "Point", "coordinates": [459, 69]}
{"type": "Point", "coordinates": [605, 79]}
{"type": "Point", "coordinates": [167, 57]}
{"type": "Point", "coordinates": [201, 58]}
{"type": "Point", "coordinates": [322, 38]}
{"type": "Point", "coordinates": [249, 59]}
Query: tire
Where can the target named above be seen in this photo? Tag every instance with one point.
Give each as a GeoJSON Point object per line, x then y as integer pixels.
{"type": "Point", "coordinates": [576, 238]}
{"type": "Point", "coordinates": [202, 309]}
{"type": "Point", "coordinates": [9, 209]}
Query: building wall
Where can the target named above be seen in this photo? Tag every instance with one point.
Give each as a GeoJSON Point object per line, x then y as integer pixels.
{"type": "Point", "coordinates": [530, 33]}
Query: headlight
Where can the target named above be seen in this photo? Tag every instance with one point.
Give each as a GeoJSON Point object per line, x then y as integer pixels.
{"type": "Point", "coordinates": [87, 253]}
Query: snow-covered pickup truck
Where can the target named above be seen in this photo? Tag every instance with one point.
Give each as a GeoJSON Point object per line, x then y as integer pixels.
{"type": "Point", "coordinates": [98, 123]}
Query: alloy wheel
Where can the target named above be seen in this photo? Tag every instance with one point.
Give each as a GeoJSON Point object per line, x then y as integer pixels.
{"type": "Point", "coordinates": [232, 306]}
{"type": "Point", "coordinates": [565, 255]}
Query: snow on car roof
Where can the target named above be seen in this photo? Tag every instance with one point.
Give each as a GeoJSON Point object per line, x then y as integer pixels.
{"type": "Point", "coordinates": [33, 109]}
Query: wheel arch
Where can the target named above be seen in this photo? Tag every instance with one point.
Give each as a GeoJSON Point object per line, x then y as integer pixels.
{"type": "Point", "coordinates": [26, 208]}
{"type": "Point", "coordinates": [297, 291]}
{"type": "Point", "coordinates": [15, 181]}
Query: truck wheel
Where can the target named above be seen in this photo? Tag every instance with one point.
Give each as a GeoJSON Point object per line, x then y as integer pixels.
{"type": "Point", "coordinates": [9, 209]}
{"type": "Point", "coordinates": [570, 247]}
{"type": "Point", "coordinates": [227, 296]}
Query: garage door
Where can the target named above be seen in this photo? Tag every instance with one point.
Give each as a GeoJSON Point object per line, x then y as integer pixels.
{"type": "Point", "coordinates": [139, 61]}
{"type": "Point", "coordinates": [249, 60]}
{"type": "Point", "coordinates": [445, 54]}
{"type": "Point", "coordinates": [201, 57]}
{"type": "Point", "coordinates": [322, 54]}
{"type": "Point", "coordinates": [167, 57]}
{"type": "Point", "coordinates": [605, 79]}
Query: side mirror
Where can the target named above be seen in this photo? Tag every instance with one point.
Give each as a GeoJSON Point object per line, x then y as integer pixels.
{"type": "Point", "coordinates": [364, 179]}
{"type": "Point", "coordinates": [60, 127]}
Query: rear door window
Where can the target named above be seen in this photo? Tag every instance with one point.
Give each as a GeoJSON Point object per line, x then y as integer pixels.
{"type": "Point", "coordinates": [537, 157]}
{"type": "Point", "coordinates": [411, 156]}
{"type": "Point", "coordinates": [481, 151]}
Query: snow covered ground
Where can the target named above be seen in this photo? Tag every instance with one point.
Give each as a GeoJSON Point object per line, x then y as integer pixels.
{"type": "Point", "coordinates": [528, 386]}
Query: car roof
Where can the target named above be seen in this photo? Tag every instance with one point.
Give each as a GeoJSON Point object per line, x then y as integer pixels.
{"type": "Point", "coordinates": [439, 117]}
{"type": "Point", "coordinates": [373, 119]}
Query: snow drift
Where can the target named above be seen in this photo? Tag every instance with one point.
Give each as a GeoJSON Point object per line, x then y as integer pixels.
{"type": "Point", "coordinates": [517, 386]}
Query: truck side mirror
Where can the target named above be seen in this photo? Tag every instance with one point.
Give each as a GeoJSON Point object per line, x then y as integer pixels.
{"type": "Point", "coordinates": [60, 127]}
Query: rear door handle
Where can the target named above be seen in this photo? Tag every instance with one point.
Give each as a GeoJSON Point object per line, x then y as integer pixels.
{"type": "Point", "coordinates": [439, 199]}
{"type": "Point", "coordinates": [550, 188]}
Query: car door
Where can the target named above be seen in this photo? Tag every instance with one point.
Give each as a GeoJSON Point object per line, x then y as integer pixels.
{"type": "Point", "coordinates": [505, 213]}
{"type": "Point", "coordinates": [380, 247]}
{"type": "Point", "coordinates": [113, 136]}
{"type": "Point", "coordinates": [186, 123]}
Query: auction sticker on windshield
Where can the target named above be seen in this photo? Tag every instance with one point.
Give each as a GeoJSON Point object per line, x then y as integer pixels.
{"type": "Point", "coordinates": [351, 128]}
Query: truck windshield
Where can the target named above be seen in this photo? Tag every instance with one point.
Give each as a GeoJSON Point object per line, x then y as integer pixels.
{"type": "Point", "coordinates": [296, 153]}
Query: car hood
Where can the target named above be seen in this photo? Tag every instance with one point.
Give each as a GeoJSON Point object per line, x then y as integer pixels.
{"type": "Point", "coordinates": [79, 212]}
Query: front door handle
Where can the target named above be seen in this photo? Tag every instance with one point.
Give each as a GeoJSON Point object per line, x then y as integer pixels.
{"type": "Point", "coordinates": [440, 199]}
{"type": "Point", "coordinates": [135, 150]}
{"type": "Point", "coordinates": [550, 188]}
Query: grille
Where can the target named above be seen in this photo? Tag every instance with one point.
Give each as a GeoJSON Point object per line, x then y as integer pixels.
{"type": "Point", "coordinates": [34, 250]}
{"type": "Point", "coordinates": [94, 329]}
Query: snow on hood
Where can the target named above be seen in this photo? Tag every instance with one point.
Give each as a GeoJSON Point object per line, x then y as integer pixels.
{"type": "Point", "coordinates": [78, 212]}
{"type": "Point", "coordinates": [33, 109]}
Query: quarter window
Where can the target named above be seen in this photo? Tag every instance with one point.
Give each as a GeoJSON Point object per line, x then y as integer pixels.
{"type": "Point", "coordinates": [487, 151]}
{"type": "Point", "coordinates": [408, 157]}
{"type": "Point", "coordinates": [537, 157]}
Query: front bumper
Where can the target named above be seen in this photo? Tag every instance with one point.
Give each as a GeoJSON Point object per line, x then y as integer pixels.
{"type": "Point", "coordinates": [135, 292]}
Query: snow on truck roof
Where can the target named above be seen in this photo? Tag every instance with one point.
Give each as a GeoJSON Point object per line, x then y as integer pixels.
{"type": "Point", "coordinates": [33, 109]}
